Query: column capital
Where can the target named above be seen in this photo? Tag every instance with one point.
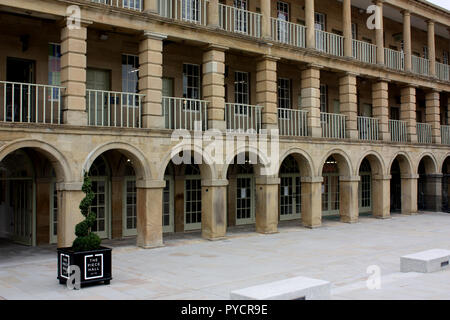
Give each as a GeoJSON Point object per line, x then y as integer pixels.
{"type": "Point", "coordinates": [405, 12]}
{"type": "Point", "coordinates": [409, 176]}
{"type": "Point", "coordinates": [348, 73]}
{"type": "Point", "coordinates": [378, 2]}
{"type": "Point", "coordinates": [408, 85]}
{"type": "Point", "coordinates": [64, 22]}
{"type": "Point", "coordinates": [150, 184]}
{"type": "Point", "coordinates": [215, 183]}
{"type": "Point", "coordinates": [381, 79]}
{"type": "Point", "coordinates": [69, 186]}
{"type": "Point", "coordinates": [349, 178]}
{"type": "Point", "coordinates": [268, 57]}
{"type": "Point", "coordinates": [267, 180]}
{"type": "Point", "coordinates": [154, 35]}
{"type": "Point", "coordinates": [311, 179]}
{"type": "Point", "coordinates": [312, 66]}
{"type": "Point", "coordinates": [382, 177]}
{"type": "Point", "coordinates": [217, 47]}
{"type": "Point", "coordinates": [430, 22]}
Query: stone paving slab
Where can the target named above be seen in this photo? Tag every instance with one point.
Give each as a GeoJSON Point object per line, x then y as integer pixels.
{"type": "Point", "coordinates": [191, 268]}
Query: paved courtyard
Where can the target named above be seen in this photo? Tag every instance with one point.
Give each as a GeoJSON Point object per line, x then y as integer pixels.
{"type": "Point", "coordinates": [191, 268]}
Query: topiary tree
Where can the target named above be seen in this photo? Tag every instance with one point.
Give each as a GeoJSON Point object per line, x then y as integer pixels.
{"type": "Point", "coordinates": [86, 240]}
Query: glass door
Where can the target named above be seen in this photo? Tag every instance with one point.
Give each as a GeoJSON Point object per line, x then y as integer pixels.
{"type": "Point", "coordinates": [23, 211]}
{"type": "Point", "coordinates": [168, 225]}
{"type": "Point", "coordinates": [240, 17]}
{"type": "Point", "coordinates": [53, 213]}
{"type": "Point", "coordinates": [245, 202]}
{"type": "Point", "coordinates": [193, 203]}
{"type": "Point", "coordinates": [99, 80]}
{"type": "Point", "coordinates": [282, 21]}
{"type": "Point", "coordinates": [129, 207]}
{"type": "Point", "coordinates": [100, 206]}
{"type": "Point", "coordinates": [290, 197]}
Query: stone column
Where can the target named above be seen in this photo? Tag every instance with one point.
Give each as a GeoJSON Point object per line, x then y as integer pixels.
{"type": "Point", "coordinates": [381, 196]}
{"type": "Point", "coordinates": [266, 91]}
{"type": "Point", "coordinates": [309, 22]}
{"type": "Point", "coordinates": [408, 111]}
{"type": "Point", "coordinates": [380, 102]}
{"type": "Point", "coordinates": [213, 13]}
{"type": "Point", "coordinates": [149, 213]}
{"type": "Point", "coordinates": [267, 204]}
{"type": "Point", "coordinates": [151, 6]}
{"type": "Point", "coordinates": [347, 27]}
{"type": "Point", "coordinates": [448, 109]}
{"type": "Point", "coordinates": [348, 199]}
{"type": "Point", "coordinates": [311, 99]}
{"type": "Point", "coordinates": [69, 215]}
{"type": "Point", "coordinates": [433, 192]}
{"type": "Point", "coordinates": [150, 79]}
{"type": "Point", "coordinates": [431, 47]}
{"type": "Point", "coordinates": [349, 104]}
{"type": "Point", "coordinates": [409, 193]}
{"type": "Point", "coordinates": [312, 202]}
{"type": "Point", "coordinates": [214, 209]}
{"type": "Point", "coordinates": [214, 86]}
{"type": "Point", "coordinates": [407, 38]}
{"type": "Point", "coordinates": [432, 114]}
{"type": "Point", "coordinates": [73, 73]}
{"type": "Point", "coordinates": [380, 33]}
{"type": "Point", "coordinates": [265, 19]}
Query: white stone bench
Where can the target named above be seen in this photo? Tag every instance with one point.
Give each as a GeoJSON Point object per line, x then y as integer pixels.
{"type": "Point", "coordinates": [297, 288]}
{"type": "Point", "coordinates": [426, 261]}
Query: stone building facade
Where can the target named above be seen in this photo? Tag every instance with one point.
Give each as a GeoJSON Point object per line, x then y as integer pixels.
{"type": "Point", "coordinates": [355, 118]}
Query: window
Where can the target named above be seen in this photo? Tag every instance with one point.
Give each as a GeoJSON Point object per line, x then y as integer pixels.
{"type": "Point", "coordinates": [191, 86]}
{"type": "Point", "coordinates": [190, 10]}
{"type": "Point", "coordinates": [132, 4]}
{"type": "Point", "coordinates": [241, 88]}
{"type": "Point", "coordinates": [323, 98]}
{"type": "Point", "coordinates": [319, 19]}
{"type": "Point", "coordinates": [354, 31]}
{"type": "Point", "coordinates": [130, 79]}
{"type": "Point", "coordinates": [240, 18]}
{"type": "Point", "coordinates": [425, 52]}
{"type": "Point", "coordinates": [283, 11]}
{"type": "Point", "coordinates": [445, 57]}
{"type": "Point", "coordinates": [284, 96]}
{"type": "Point", "coordinates": [282, 21]}
{"type": "Point", "coordinates": [54, 69]}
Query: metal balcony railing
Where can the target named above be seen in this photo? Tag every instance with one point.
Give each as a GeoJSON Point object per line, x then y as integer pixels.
{"type": "Point", "coordinates": [443, 71]}
{"type": "Point", "coordinates": [330, 43]}
{"type": "Point", "coordinates": [114, 109]}
{"type": "Point", "coordinates": [293, 122]}
{"type": "Point", "coordinates": [333, 125]}
{"type": "Point", "coordinates": [126, 4]}
{"type": "Point", "coordinates": [445, 135]}
{"type": "Point", "coordinates": [288, 33]}
{"type": "Point", "coordinates": [241, 21]}
{"type": "Point", "coordinates": [243, 117]}
{"type": "Point", "coordinates": [183, 113]}
{"type": "Point", "coordinates": [364, 51]}
{"type": "Point", "coordinates": [394, 59]}
{"type": "Point", "coordinates": [30, 103]}
{"type": "Point", "coordinates": [420, 65]}
{"type": "Point", "coordinates": [192, 11]}
{"type": "Point", "coordinates": [397, 129]}
{"type": "Point", "coordinates": [368, 128]}
{"type": "Point", "coordinates": [424, 133]}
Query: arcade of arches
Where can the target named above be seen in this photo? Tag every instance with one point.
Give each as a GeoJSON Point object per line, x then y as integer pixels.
{"type": "Point", "coordinates": [35, 200]}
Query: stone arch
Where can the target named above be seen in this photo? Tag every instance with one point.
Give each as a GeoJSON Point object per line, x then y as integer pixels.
{"type": "Point", "coordinates": [57, 159]}
{"type": "Point", "coordinates": [304, 161]}
{"type": "Point", "coordinates": [207, 168]}
{"type": "Point", "coordinates": [262, 166]}
{"type": "Point", "coordinates": [376, 163]}
{"type": "Point", "coordinates": [343, 162]}
{"type": "Point", "coordinates": [141, 165]}
{"type": "Point", "coordinates": [404, 162]}
{"type": "Point", "coordinates": [430, 163]}
{"type": "Point", "coordinates": [442, 162]}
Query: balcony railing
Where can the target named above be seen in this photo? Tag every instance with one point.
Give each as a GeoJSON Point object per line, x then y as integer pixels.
{"type": "Point", "coordinates": [293, 122]}
{"type": "Point", "coordinates": [420, 65]}
{"type": "Point", "coordinates": [241, 21]}
{"type": "Point", "coordinates": [368, 128]}
{"type": "Point", "coordinates": [192, 11]}
{"type": "Point", "coordinates": [30, 103]}
{"type": "Point", "coordinates": [424, 133]}
{"type": "Point", "coordinates": [333, 125]}
{"type": "Point", "coordinates": [443, 71]}
{"type": "Point", "coordinates": [394, 59]}
{"type": "Point", "coordinates": [397, 129]}
{"type": "Point", "coordinates": [445, 135]}
{"type": "Point", "coordinates": [288, 33]}
{"type": "Point", "coordinates": [114, 109]}
{"type": "Point", "coordinates": [330, 43]}
{"type": "Point", "coordinates": [182, 113]}
{"type": "Point", "coordinates": [127, 4]}
{"type": "Point", "coordinates": [243, 117]}
{"type": "Point", "coordinates": [364, 51]}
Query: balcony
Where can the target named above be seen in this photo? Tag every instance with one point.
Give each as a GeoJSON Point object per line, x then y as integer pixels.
{"type": "Point", "coordinates": [424, 133]}
{"type": "Point", "coordinates": [114, 109]}
{"type": "Point", "coordinates": [240, 21]}
{"type": "Point", "coordinates": [443, 71]}
{"type": "Point", "coordinates": [445, 135]}
{"type": "Point", "coordinates": [397, 129]}
{"type": "Point", "coordinates": [125, 4]}
{"type": "Point", "coordinates": [288, 33]}
{"type": "Point", "coordinates": [330, 43]}
{"type": "Point", "coordinates": [394, 59]}
{"type": "Point", "coordinates": [333, 125]}
{"type": "Point", "coordinates": [191, 11]}
{"type": "Point", "coordinates": [364, 51]}
{"type": "Point", "coordinates": [367, 128]}
{"type": "Point", "coordinates": [420, 65]}
{"type": "Point", "coordinates": [30, 103]}
{"type": "Point", "coordinates": [293, 122]}
{"type": "Point", "coordinates": [182, 113]}
{"type": "Point", "coordinates": [243, 117]}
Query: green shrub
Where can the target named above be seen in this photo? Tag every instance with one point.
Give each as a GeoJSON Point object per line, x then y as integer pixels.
{"type": "Point", "coordinates": [86, 240]}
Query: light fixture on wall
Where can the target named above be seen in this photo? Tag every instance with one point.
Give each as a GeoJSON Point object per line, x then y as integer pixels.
{"type": "Point", "coordinates": [103, 36]}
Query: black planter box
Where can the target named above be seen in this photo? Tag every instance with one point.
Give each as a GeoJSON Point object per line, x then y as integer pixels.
{"type": "Point", "coordinates": [95, 265]}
